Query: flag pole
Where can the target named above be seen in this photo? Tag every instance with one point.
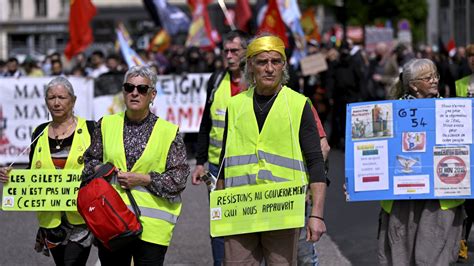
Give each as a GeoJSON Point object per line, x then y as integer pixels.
{"type": "Point", "coordinates": [226, 14]}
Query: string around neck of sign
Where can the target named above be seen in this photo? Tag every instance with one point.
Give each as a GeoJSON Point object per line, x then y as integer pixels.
{"type": "Point", "coordinates": [56, 136]}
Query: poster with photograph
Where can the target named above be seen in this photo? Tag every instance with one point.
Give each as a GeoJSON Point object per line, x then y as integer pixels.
{"type": "Point", "coordinates": [372, 121]}
{"type": "Point", "coordinates": [451, 170]}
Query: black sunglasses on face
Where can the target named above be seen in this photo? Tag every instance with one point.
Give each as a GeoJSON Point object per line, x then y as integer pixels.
{"type": "Point", "coordinates": [141, 88]}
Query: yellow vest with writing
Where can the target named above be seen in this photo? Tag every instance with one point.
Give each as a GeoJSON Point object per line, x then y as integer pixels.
{"type": "Point", "coordinates": [217, 110]}
{"type": "Point", "coordinates": [158, 215]}
{"type": "Point", "coordinates": [272, 155]}
{"type": "Point", "coordinates": [42, 160]}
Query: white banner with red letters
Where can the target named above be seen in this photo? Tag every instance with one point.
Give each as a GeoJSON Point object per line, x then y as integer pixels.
{"type": "Point", "coordinates": [180, 99]}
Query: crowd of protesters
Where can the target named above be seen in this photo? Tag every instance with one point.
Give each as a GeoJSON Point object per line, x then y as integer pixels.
{"type": "Point", "coordinates": [353, 74]}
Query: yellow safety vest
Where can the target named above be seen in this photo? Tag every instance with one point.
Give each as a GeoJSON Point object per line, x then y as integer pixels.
{"type": "Point", "coordinates": [462, 86]}
{"type": "Point", "coordinates": [42, 160]}
{"type": "Point", "coordinates": [217, 110]}
{"type": "Point", "coordinates": [444, 204]}
{"type": "Point", "coordinates": [272, 155]}
{"type": "Point", "coordinates": [158, 215]}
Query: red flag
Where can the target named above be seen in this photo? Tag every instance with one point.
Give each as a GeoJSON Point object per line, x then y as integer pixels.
{"type": "Point", "coordinates": [200, 33]}
{"type": "Point", "coordinates": [310, 25]}
{"type": "Point", "coordinates": [451, 47]}
{"type": "Point", "coordinates": [244, 12]}
{"type": "Point", "coordinates": [273, 23]}
{"type": "Point", "coordinates": [80, 33]}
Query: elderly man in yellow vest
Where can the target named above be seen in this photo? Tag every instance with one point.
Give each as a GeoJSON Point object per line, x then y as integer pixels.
{"type": "Point", "coordinates": [151, 157]}
{"type": "Point", "coordinates": [271, 136]}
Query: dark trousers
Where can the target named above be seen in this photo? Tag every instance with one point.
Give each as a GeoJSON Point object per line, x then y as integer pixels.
{"type": "Point", "coordinates": [143, 253]}
{"type": "Point", "coordinates": [72, 254]}
{"type": "Point", "coordinates": [469, 207]}
{"type": "Point", "coordinates": [217, 243]}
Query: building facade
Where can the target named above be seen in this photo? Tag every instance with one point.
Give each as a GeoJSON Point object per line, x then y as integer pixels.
{"type": "Point", "coordinates": [450, 19]}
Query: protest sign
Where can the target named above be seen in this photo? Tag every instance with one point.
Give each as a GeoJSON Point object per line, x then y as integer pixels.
{"type": "Point", "coordinates": [410, 149]}
{"type": "Point", "coordinates": [257, 208]}
{"type": "Point", "coordinates": [23, 108]}
{"type": "Point", "coordinates": [313, 64]}
{"type": "Point", "coordinates": [180, 100]}
{"type": "Point", "coordinates": [41, 190]}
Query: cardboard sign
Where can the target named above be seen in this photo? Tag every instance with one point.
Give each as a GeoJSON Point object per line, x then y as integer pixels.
{"type": "Point", "coordinates": [257, 208]}
{"type": "Point", "coordinates": [41, 190]}
{"type": "Point", "coordinates": [313, 64]}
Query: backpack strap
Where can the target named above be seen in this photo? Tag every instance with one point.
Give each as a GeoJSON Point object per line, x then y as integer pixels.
{"type": "Point", "coordinates": [104, 171]}
{"type": "Point", "coordinates": [135, 207]}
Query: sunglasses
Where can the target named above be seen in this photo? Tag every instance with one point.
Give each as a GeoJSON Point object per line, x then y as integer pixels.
{"type": "Point", "coordinates": [141, 88]}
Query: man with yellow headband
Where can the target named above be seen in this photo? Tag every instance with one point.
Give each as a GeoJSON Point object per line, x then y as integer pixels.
{"type": "Point", "coordinates": [271, 136]}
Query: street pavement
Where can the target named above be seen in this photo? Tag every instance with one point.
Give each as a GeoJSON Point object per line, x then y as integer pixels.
{"type": "Point", "coordinates": [350, 239]}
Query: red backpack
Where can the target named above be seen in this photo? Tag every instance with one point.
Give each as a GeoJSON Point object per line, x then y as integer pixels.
{"type": "Point", "coordinates": [104, 211]}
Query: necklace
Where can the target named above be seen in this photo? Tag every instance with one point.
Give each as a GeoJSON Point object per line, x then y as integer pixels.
{"type": "Point", "coordinates": [262, 109]}
{"type": "Point", "coordinates": [56, 135]}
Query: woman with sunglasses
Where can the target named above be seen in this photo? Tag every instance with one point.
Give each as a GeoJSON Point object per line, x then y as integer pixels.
{"type": "Point", "coordinates": [60, 144]}
{"type": "Point", "coordinates": [151, 157]}
{"type": "Point", "coordinates": [419, 232]}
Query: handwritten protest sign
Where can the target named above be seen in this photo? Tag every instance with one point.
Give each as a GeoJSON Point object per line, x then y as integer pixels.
{"type": "Point", "coordinates": [313, 64]}
{"type": "Point", "coordinates": [41, 190]}
{"type": "Point", "coordinates": [257, 208]}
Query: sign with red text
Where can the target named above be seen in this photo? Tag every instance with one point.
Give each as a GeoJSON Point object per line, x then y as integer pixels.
{"type": "Point", "coordinates": [23, 108]}
{"type": "Point", "coordinates": [180, 99]}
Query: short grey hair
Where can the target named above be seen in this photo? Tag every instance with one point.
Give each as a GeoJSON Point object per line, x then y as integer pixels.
{"type": "Point", "coordinates": [60, 81]}
{"type": "Point", "coordinates": [250, 78]}
{"type": "Point", "coordinates": [410, 72]}
{"type": "Point", "coordinates": [142, 71]}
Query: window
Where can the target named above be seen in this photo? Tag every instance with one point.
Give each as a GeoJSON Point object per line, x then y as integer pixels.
{"type": "Point", "coordinates": [65, 4]}
{"type": "Point", "coordinates": [41, 8]}
{"type": "Point", "coordinates": [15, 8]}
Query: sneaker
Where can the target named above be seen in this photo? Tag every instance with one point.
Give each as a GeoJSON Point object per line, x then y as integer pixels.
{"type": "Point", "coordinates": [462, 255]}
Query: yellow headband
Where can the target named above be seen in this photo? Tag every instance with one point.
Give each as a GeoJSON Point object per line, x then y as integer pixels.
{"type": "Point", "coordinates": [266, 44]}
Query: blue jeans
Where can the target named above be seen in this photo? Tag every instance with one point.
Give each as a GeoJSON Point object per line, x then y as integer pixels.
{"type": "Point", "coordinates": [217, 243]}
{"type": "Point", "coordinates": [307, 250]}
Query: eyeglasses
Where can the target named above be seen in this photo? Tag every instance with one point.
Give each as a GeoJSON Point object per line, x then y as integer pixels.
{"type": "Point", "coordinates": [141, 88]}
{"type": "Point", "coordinates": [430, 78]}
{"type": "Point", "coordinates": [232, 51]}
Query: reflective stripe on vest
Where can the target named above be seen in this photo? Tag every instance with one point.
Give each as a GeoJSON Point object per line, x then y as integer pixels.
{"type": "Point", "coordinates": [272, 155]}
{"type": "Point", "coordinates": [217, 111]}
{"type": "Point", "coordinates": [218, 123]}
{"type": "Point", "coordinates": [216, 143]}
{"type": "Point", "coordinates": [158, 215]}
{"type": "Point", "coordinates": [42, 154]}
